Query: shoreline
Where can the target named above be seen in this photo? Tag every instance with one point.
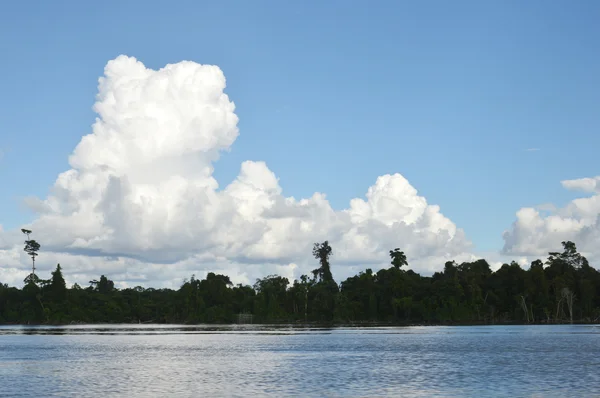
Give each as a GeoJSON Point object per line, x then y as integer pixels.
{"type": "Point", "coordinates": [332, 325]}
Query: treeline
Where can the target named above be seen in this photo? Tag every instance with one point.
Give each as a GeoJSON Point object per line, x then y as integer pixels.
{"type": "Point", "coordinates": [564, 288]}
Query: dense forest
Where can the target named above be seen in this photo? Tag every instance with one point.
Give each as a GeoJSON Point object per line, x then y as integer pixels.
{"type": "Point", "coordinates": [564, 288]}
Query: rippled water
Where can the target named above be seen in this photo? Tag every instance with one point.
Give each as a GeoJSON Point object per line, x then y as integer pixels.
{"type": "Point", "coordinates": [240, 361]}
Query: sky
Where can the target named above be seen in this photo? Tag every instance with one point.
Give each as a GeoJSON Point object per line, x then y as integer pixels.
{"type": "Point", "coordinates": [230, 136]}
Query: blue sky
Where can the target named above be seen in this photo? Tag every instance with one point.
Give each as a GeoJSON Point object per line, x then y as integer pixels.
{"type": "Point", "coordinates": [331, 94]}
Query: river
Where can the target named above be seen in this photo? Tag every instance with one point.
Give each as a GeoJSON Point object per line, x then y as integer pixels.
{"type": "Point", "coordinates": [263, 361]}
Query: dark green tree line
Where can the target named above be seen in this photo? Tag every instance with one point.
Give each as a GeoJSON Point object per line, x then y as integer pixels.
{"type": "Point", "coordinates": [563, 288]}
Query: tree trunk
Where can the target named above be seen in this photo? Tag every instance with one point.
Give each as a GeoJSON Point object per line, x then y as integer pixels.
{"type": "Point", "coordinates": [524, 306]}
{"type": "Point", "coordinates": [305, 305]}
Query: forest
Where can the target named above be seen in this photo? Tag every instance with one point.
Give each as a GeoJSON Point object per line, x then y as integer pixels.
{"type": "Point", "coordinates": [562, 289]}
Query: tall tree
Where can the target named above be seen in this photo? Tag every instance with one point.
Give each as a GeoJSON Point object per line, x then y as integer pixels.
{"type": "Point", "coordinates": [566, 290]}
{"type": "Point", "coordinates": [325, 290]}
{"type": "Point", "coordinates": [31, 248]}
{"type": "Point", "coordinates": [322, 252]}
{"type": "Point", "coordinates": [398, 258]}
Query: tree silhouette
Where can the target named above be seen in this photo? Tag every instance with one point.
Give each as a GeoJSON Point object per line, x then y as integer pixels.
{"type": "Point", "coordinates": [563, 288]}
{"type": "Point", "coordinates": [322, 252]}
{"type": "Point", "coordinates": [398, 258]}
{"type": "Point", "coordinates": [58, 287]}
{"type": "Point", "coordinates": [31, 248]}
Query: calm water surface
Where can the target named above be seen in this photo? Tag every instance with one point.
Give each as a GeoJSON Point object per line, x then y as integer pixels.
{"type": "Point", "coordinates": [241, 361]}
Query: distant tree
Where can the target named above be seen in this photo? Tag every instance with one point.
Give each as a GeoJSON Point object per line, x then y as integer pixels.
{"type": "Point", "coordinates": [564, 289]}
{"type": "Point", "coordinates": [58, 287]}
{"type": "Point", "coordinates": [322, 252]}
{"type": "Point", "coordinates": [450, 269]}
{"type": "Point", "coordinates": [306, 284]}
{"type": "Point", "coordinates": [31, 248]}
{"type": "Point", "coordinates": [537, 264]}
{"type": "Point", "coordinates": [31, 279]}
{"type": "Point", "coordinates": [104, 285]}
{"type": "Point", "coordinates": [398, 258]}
{"type": "Point", "coordinates": [271, 297]}
{"type": "Point", "coordinates": [570, 256]}
{"type": "Point", "coordinates": [325, 290]}
{"type": "Point", "coordinates": [536, 286]}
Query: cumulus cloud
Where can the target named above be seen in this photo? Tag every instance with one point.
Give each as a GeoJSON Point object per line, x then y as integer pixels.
{"type": "Point", "coordinates": [140, 202]}
{"type": "Point", "coordinates": [535, 234]}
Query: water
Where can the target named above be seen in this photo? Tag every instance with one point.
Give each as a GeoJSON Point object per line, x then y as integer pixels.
{"type": "Point", "coordinates": [241, 361]}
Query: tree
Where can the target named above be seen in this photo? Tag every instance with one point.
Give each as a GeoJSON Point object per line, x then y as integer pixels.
{"type": "Point", "coordinates": [271, 297]}
{"type": "Point", "coordinates": [31, 248]}
{"type": "Point", "coordinates": [566, 289]}
{"type": "Point", "coordinates": [104, 285]}
{"type": "Point", "coordinates": [398, 258]}
{"type": "Point", "coordinates": [58, 287]}
{"type": "Point", "coordinates": [536, 287]}
{"type": "Point", "coordinates": [569, 296]}
{"type": "Point", "coordinates": [569, 256]}
{"type": "Point", "coordinates": [305, 283]}
{"type": "Point", "coordinates": [322, 252]}
{"type": "Point", "coordinates": [325, 290]}
{"type": "Point", "coordinates": [31, 279]}
{"type": "Point", "coordinates": [524, 306]}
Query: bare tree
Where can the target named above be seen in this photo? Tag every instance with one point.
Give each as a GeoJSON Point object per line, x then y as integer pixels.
{"type": "Point", "coordinates": [524, 306]}
{"type": "Point", "coordinates": [558, 308]}
{"type": "Point", "coordinates": [569, 297]}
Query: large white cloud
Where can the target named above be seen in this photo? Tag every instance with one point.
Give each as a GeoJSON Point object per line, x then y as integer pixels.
{"type": "Point", "coordinates": [539, 231]}
{"type": "Point", "coordinates": [140, 198]}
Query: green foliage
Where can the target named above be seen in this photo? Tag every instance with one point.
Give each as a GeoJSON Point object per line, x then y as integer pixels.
{"type": "Point", "coordinates": [398, 258]}
{"type": "Point", "coordinates": [269, 305]}
{"type": "Point", "coordinates": [565, 287]}
{"type": "Point", "coordinates": [31, 247]}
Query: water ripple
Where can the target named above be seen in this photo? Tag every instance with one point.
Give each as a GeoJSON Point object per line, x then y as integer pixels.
{"type": "Point", "coordinates": [269, 361]}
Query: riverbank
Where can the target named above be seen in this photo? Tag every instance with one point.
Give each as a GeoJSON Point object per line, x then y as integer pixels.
{"type": "Point", "coordinates": [318, 324]}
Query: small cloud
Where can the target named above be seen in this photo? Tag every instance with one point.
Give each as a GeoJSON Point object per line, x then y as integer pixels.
{"type": "Point", "coordinates": [589, 185]}
{"type": "Point", "coordinates": [533, 149]}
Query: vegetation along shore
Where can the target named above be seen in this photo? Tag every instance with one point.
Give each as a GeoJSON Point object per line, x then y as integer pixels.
{"type": "Point", "coordinates": [562, 289]}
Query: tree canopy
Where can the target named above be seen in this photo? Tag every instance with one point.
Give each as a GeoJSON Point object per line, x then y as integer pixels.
{"type": "Point", "coordinates": [562, 288]}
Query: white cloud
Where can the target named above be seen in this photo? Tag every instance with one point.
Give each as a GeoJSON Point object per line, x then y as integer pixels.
{"type": "Point", "coordinates": [589, 185]}
{"type": "Point", "coordinates": [4, 242]}
{"type": "Point", "coordinates": [533, 149]}
{"type": "Point", "coordinates": [140, 202]}
{"type": "Point", "coordinates": [535, 234]}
